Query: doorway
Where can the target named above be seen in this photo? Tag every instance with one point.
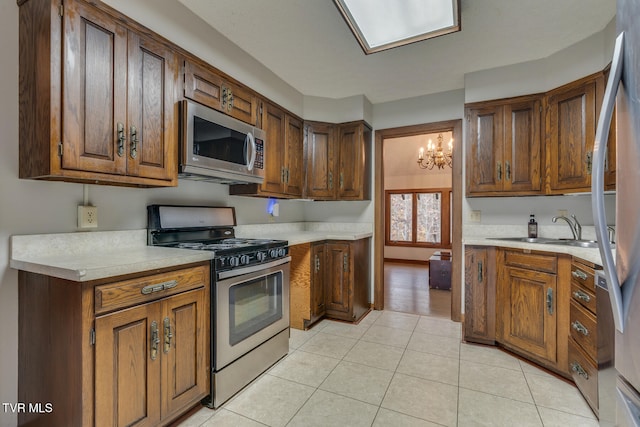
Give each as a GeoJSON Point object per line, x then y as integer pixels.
{"type": "Point", "coordinates": [455, 127]}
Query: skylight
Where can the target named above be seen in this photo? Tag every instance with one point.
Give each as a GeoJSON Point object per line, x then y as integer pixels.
{"type": "Point", "coordinates": [384, 24]}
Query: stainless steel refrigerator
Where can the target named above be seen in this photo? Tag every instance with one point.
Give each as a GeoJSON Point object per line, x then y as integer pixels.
{"type": "Point", "coordinates": [622, 276]}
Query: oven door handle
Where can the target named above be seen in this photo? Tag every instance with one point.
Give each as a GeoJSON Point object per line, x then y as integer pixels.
{"type": "Point", "coordinates": [252, 268]}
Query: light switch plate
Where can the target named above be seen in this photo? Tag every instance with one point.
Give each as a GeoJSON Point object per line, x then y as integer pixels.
{"type": "Point", "coordinates": [87, 217]}
{"type": "Point", "coordinates": [476, 216]}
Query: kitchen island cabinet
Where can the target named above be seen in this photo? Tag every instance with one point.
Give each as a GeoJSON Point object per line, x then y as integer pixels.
{"type": "Point", "coordinates": [480, 294]}
{"type": "Point", "coordinates": [97, 97]}
{"type": "Point", "coordinates": [533, 306]}
{"type": "Point", "coordinates": [329, 279]}
{"type": "Point", "coordinates": [114, 351]}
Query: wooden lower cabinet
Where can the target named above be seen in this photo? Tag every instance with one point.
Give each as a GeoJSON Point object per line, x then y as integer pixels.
{"type": "Point", "coordinates": [329, 279]}
{"type": "Point", "coordinates": [533, 306]}
{"type": "Point", "coordinates": [128, 357]}
{"type": "Point", "coordinates": [480, 294]}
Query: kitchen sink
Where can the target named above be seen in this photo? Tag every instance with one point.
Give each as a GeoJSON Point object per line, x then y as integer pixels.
{"type": "Point", "coordinates": [563, 242]}
{"type": "Point", "coordinates": [525, 239]}
{"type": "Point", "coordinates": [576, 243]}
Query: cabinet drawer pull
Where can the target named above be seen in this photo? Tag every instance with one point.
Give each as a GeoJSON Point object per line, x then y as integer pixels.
{"type": "Point", "coordinates": [579, 274]}
{"type": "Point", "coordinates": [149, 289]}
{"type": "Point", "coordinates": [575, 367]}
{"type": "Point", "coordinates": [155, 340]}
{"type": "Point", "coordinates": [582, 296]}
{"type": "Point", "coordinates": [167, 335]}
{"type": "Point", "coordinates": [579, 327]}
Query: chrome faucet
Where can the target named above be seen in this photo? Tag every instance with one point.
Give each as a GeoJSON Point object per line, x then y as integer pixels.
{"type": "Point", "coordinates": [576, 228]}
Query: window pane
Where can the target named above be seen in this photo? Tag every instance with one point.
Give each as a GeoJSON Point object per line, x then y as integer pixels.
{"type": "Point", "coordinates": [401, 213]}
{"type": "Point", "coordinates": [429, 217]}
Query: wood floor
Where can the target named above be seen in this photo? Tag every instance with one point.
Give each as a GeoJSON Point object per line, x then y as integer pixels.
{"type": "Point", "coordinates": [406, 289]}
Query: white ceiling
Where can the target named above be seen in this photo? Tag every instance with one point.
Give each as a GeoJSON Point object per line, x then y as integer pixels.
{"type": "Point", "coordinates": [308, 44]}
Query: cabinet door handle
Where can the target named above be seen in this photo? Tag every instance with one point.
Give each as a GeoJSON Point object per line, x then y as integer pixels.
{"type": "Point", "coordinates": [550, 301]}
{"type": "Point", "coordinates": [345, 263]}
{"type": "Point", "coordinates": [167, 334]}
{"type": "Point", "coordinates": [341, 180]}
{"type": "Point", "coordinates": [134, 142]}
{"type": "Point", "coordinates": [579, 327]}
{"type": "Point", "coordinates": [287, 175]}
{"type": "Point", "coordinates": [499, 167]}
{"type": "Point", "coordinates": [589, 161]}
{"type": "Point", "coordinates": [480, 276]}
{"type": "Point", "coordinates": [581, 296]}
{"type": "Point", "coordinates": [317, 263]}
{"type": "Point", "coordinates": [121, 139]}
{"type": "Point", "coordinates": [155, 340]}
{"type": "Point", "coordinates": [579, 274]}
{"type": "Point", "coordinates": [330, 180]}
{"type": "Point", "coordinates": [507, 167]}
{"type": "Point", "coordinates": [575, 367]}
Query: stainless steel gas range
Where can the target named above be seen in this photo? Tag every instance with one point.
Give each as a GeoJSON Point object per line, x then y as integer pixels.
{"type": "Point", "coordinates": [249, 292]}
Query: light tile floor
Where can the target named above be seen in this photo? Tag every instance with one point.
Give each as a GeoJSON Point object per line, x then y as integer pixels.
{"type": "Point", "coordinates": [397, 369]}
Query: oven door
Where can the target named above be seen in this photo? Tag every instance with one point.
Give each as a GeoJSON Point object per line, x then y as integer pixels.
{"type": "Point", "coordinates": [252, 305]}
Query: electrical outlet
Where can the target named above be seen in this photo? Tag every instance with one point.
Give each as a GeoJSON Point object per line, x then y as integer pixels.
{"type": "Point", "coordinates": [87, 216]}
{"type": "Point", "coordinates": [563, 212]}
{"type": "Point", "coordinates": [476, 216]}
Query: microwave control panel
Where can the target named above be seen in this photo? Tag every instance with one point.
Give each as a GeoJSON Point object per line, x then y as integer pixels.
{"type": "Point", "coordinates": [259, 163]}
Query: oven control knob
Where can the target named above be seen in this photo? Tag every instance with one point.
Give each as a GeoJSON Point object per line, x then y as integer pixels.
{"type": "Point", "coordinates": [273, 253]}
{"type": "Point", "coordinates": [261, 256]}
{"type": "Point", "coordinates": [244, 259]}
{"type": "Point", "coordinates": [281, 252]}
{"type": "Point", "coordinates": [234, 261]}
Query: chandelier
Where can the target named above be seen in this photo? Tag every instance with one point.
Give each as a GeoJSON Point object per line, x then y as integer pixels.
{"type": "Point", "coordinates": [435, 156]}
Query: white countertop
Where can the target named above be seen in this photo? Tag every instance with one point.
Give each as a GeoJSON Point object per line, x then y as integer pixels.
{"type": "Point", "coordinates": [587, 254]}
{"type": "Point", "coordinates": [88, 256]}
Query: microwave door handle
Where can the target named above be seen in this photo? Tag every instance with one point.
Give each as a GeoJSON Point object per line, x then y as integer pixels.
{"type": "Point", "coordinates": [251, 145]}
{"type": "Point", "coordinates": [597, 187]}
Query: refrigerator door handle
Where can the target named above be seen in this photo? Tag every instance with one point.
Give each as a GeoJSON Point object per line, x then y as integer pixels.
{"type": "Point", "coordinates": [597, 184]}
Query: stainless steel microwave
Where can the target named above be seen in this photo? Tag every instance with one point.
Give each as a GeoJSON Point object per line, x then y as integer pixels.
{"type": "Point", "coordinates": [218, 148]}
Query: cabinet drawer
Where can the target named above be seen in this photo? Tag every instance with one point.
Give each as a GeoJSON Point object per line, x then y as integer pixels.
{"type": "Point", "coordinates": [583, 329]}
{"type": "Point", "coordinates": [584, 373]}
{"type": "Point", "coordinates": [583, 296]}
{"type": "Point", "coordinates": [583, 274]}
{"type": "Point", "coordinates": [538, 262]}
{"type": "Point", "coordinates": [136, 291]}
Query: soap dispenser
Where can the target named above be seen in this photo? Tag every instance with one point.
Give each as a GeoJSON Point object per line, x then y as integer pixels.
{"type": "Point", "coordinates": [532, 226]}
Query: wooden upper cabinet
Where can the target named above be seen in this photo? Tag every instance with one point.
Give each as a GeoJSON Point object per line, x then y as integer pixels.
{"type": "Point", "coordinates": [353, 171]}
{"type": "Point", "coordinates": [504, 147]}
{"type": "Point", "coordinates": [571, 123]}
{"type": "Point", "coordinates": [294, 130]}
{"type": "Point", "coordinates": [284, 173]}
{"type": "Point", "coordinates": [152, 109]}
{"type": "Point", "coordinates": [274, 169]}
{"type": "Point", "coordinates": [484, 149]}
{"type": "Point", "coordinates": [320, 152]}
{"type": "Point", "coordinates": [95, 91]}
{"type": "Point", "coordinates": [103, 109]}
{"type": "Point", "coordinates": [205, 86]}
{"type": "Point", "coordinates": [337, 158]}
